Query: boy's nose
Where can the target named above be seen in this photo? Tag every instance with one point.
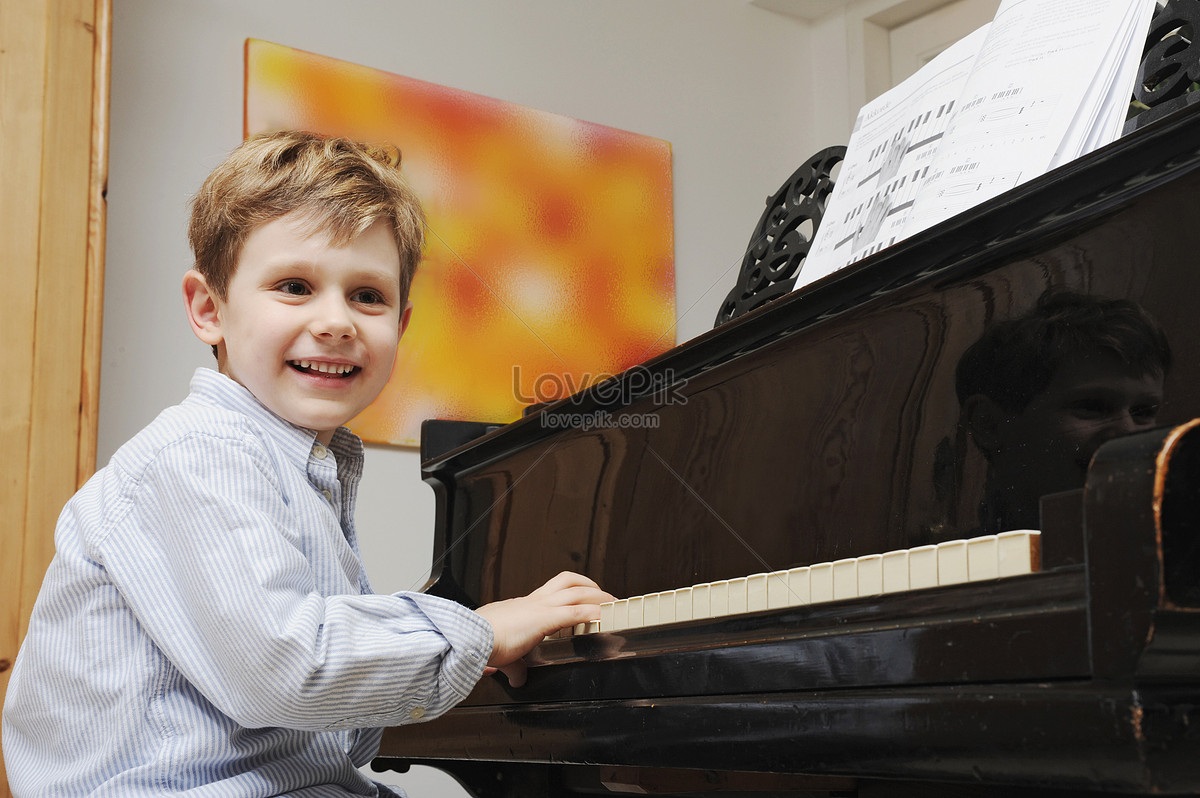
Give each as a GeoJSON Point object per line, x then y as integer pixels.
{"type": "Point", "coordinates": [332, 320]}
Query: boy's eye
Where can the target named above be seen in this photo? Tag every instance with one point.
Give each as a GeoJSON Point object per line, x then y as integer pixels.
{"type": "Point", "coordinates": [1090, 408]}
{"type": "Point", "coordinates": [368, 297]}
{"type": "Point", "coordinates": [294, 287]}
{"type": "Point", "coordinates": [1144, 414]}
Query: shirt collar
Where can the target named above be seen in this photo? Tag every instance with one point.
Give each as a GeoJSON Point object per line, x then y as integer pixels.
{"type": "Point", "coordinates": [213, 387]}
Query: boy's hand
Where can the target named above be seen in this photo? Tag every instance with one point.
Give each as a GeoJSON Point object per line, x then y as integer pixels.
{"type": "Point", "coordinates": [519, 624]}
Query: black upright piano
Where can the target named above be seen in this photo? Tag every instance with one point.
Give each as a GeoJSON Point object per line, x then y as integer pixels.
{"type": "Point", "coordinates": [823, 426]}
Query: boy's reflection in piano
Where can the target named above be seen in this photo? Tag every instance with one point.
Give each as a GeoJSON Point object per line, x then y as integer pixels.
{"type": "Point", "coordinates": [1041, 392]}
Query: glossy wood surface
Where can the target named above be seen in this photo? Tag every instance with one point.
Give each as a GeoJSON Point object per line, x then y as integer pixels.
{"type": "Point", "coordinates": [826, 425]}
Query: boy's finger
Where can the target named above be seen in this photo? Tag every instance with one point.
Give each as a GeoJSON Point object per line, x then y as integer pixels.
{"type": "Point", "coordinates": [564, 580]}
{"type": "Point", "coordinates": [516, 672]}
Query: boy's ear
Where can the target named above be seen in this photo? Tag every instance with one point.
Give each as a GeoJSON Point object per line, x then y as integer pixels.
{"type": "Point", "coordinates": [983, 419]}
{"type": "Point", "coordinates": [203, 308]}
{"type": "Point", "coordinates": [405, 317]}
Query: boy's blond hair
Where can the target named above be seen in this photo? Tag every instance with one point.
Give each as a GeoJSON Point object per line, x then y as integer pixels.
{"type": "Point", "coordinates": [345, 187]}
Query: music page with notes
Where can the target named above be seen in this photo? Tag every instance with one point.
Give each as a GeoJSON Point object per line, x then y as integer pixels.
{"type": "Point", "coordinates": [1043, 83]}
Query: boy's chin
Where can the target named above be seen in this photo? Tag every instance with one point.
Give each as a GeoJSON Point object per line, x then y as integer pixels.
{"type": "Point", "coordinates": [324, 424]}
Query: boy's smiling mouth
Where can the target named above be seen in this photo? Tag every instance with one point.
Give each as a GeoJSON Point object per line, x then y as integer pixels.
{"type": "Point", "coordinates": [324, 369]}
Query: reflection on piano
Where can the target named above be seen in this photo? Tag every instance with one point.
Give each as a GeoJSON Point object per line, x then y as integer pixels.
{"type": "Point", "coordinates": [823, 428]}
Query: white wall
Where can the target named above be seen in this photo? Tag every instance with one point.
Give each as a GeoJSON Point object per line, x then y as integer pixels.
{"type": "Point", "coordinates": [728, 84]}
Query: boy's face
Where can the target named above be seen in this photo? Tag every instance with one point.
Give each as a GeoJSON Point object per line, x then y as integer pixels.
{"type": "Point", "coordinates": [308, 327]}
{"type": "Point", "coordinates": [1049, 445]}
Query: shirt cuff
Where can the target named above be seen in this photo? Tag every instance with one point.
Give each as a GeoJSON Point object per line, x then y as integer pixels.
{"type": "Point", "coordinates": [470, 637]}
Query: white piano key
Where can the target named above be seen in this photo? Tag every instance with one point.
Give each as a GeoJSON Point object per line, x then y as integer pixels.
{"type": "Point", "coordinates": [922, 567]}
{"type": "Point", "coordinates": [870, 575]}
{"type": "Point", "coordinates": [700, 603]}
{"type": "Point", "coordinates": [800, 586]}
{"type": "Point", "coordinates": [756, 592]}
{"type": "Point", "coordinates": [983, 561]}
{"type": "Point", "coordinates": [718, 598]}
{"type": "Point", "coordinates": [606, 616]}
{"type": "Point", "coordinates": [777, 590]}
{"type": "Point", "coordinates": [952, 562]}
{"type": "Point", "coordinates": [683, 604]}
{"type": "Point", "coordinates": [620, 615]}
{"type": "Point", "coordinates": [895, 571]}
{"type": "Point", "coordinates": [636, 617]}
{"type": "Point", "coordinates": [820, 582]}
{"type": "Point", "coordinates": [1018, 552]}
{"type": "Point", "coordinates": [737, 596]}
{"type": "Point", "coordinates": [650, 609]}
{"type": "Point", "coordinates": [666, 606]}
{"type": "Point", "coordinates": [845, 578]}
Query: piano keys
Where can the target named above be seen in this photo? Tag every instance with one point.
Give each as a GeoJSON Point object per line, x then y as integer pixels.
{"type": "Point", "coordinates": [952, 562]}
{"type": "Point", "coordinates": [824, 428]}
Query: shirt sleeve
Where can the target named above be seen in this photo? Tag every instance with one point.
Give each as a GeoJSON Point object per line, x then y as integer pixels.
{"type": "Point", "coordinates": [207, 554]}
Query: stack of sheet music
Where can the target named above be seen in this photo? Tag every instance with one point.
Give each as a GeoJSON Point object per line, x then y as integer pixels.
{"type": "Point", "coordinates": [1045, 82]}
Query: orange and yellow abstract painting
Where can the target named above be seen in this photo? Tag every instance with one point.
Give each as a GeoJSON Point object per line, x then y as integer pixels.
{"type": "Point", "coordinates": [549, 262]}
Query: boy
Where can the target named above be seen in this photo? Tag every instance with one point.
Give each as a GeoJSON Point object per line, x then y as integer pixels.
{"type": "Point", "coordinates": [206, 626]}
{"type": "Point", "coordinates": [1040, 393]}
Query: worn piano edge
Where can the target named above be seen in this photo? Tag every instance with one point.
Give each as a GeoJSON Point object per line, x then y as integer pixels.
{"type": "Point", "coordinates": [1136, 631]}
{"type": "Point", "coordinates": [1171, 444]}
{"type": "Point", "coordinates": [1092, 186]}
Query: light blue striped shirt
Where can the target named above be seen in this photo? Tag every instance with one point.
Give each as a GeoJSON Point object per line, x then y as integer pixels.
{"type": "Point", "coordinates": [206, 626]}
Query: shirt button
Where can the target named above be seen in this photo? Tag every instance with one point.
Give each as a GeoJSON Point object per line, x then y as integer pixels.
{"type": "Point", "coordinates": [319, 451]}
{"type": "Point", "coordinates": [328, 496]}
{"type": "Point", "coordinates": [416, 713]}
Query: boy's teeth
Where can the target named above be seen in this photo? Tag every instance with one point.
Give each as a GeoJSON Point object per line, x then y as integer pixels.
{"type": "Point", "coordinates": [324, 368]}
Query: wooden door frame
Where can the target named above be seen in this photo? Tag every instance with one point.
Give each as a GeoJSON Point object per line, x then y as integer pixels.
{"type": "Point", "coordinates": [54, 99]}
{"type": "Point", "coordinates": [868, 50]}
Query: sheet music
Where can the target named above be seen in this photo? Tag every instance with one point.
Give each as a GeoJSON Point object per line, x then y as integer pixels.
{"type": "Point", "coordinates": [1118, 70]}
{"type": "Point", "coordinates": [888, 159]}
{"type": "Point", "coordinates": [1044, 82]}
{"type": "Point", "coordinates": [1033, 101]}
